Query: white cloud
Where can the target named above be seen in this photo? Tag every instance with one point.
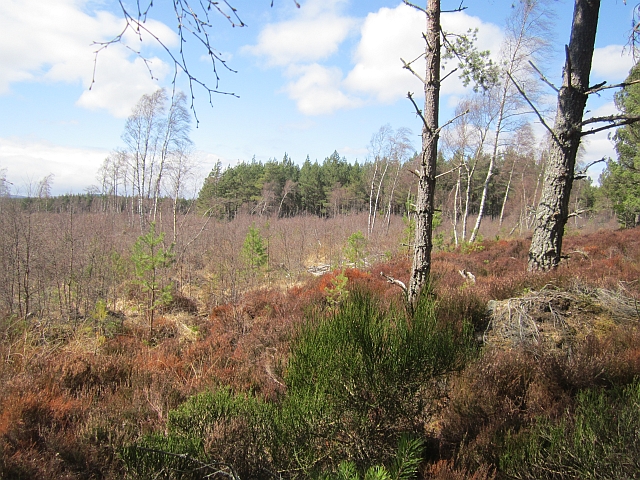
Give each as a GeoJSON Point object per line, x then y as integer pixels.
{"type": "Point", "coordinates": [611, 63]}
{"type": "Point", "coordinates": [74, 169]}
{"type": "Point", "coordinates": [386, 36]}
{"type": "Point", "coordinates": [53, 41]}
{"type": "Point", "coordinates": [120, 82]}
{"type": "Point", "coordinates": [317, 90]}
{"type": "Point", "coordinates": [313, 34]}
{"type": "Point", "coordinates": [394, 33]}
{"type": "Point", "coordinates": [304, 44]}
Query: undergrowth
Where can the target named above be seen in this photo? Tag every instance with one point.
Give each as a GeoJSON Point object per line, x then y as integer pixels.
{"type": "Point", "coordinates": [357, 381]}
{"type": "Point", "coordinates": [239, 387]}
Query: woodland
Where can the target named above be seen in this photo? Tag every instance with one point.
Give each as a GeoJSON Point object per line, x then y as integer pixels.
{"type": "Point", "coordinates": [390, 319]}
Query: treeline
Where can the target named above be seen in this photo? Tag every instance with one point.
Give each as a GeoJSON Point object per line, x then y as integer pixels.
{"type": "Point", "coordinates": [287, 189]}
{"type": "Point", "coordinates": [384, 186]}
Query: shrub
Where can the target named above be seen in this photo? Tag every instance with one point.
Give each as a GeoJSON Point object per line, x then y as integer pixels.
{"type": "Point", "coordinates": [599, 441]}
{"type": "Point", "coordinates": [357, 381]}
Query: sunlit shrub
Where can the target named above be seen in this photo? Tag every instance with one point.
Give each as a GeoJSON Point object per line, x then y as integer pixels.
{"type": "Point", "coordinates": [355, 382]}
{"type": "Point", "coordinates": [599, 441]}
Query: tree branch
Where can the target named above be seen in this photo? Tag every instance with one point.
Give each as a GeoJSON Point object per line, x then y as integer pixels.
{"type": "Point", "coordinates": [408, 67]}
{"type": "Point", "coordinates": [409, 4]}
{"type": "Point", "coordinates": [193, 17]}
{"type": "Point", "coordinates": [583, 173]}
{"type": "Point", "coordinates": [602, 86]}
{"type": "Point", "coordinates": [535, 110]}
{"type": "Point", "coordinates": [610, 118]}
{"type": "Point", "coordinates": [616, 121]}
{"type": "Point", "coordinates": [449, 171]}
{"type": "Point", "coordinates": [419, 112]}
{"type": "Point", "coordinates": [395, 281]}
{"type": "Point", "coordinates": [449, 122]}
{"type": "Point", "coordinates": [543, 78]}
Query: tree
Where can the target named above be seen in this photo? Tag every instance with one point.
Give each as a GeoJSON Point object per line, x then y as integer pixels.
{"type": "Point", "coordinates": [553, 209]}
{"type": "Point", "coordinates": [621, 179]}
{"type": "Point", "coordinates": [141, 135]}
{"type": "Point", "coordinates": [254, 252]}
{"type": "Point", "coordinates": [526, 30]}
{"type": "Point", "coordinates": [150, 258]}
{"type": "Point", "coordinates": [475, 67]}
{"type": "Point", "coordinates": [155, 137]}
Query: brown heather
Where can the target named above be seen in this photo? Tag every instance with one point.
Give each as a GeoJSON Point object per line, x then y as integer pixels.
{"type": "Point", "coordinates": [72, 394]}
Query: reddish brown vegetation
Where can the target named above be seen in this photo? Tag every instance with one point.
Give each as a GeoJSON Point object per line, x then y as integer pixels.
{"type": "Point", "coordinates": [67, 406]}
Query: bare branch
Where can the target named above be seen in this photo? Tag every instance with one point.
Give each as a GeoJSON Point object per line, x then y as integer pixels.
{"type": "Point", "coordinates": [408, 67]}
{"type": "Point", "coordinates": [418, 111]}
{"type": "Point", "coordinates": [583, 173]}
{"type": "Point", "coordinates": [193, 21]}
{"type": "Point", "coordinates": [535, 110]}
{"type": "Point", "coordinates": [409, 4]}
{"type": "Point", "coordinates": [608, 118]}
{"type": "Point", "coordinates": [577, 213]}
{"type": "Point", "coordinates": [615, 122]}
{"type": "Point", "coordinates": [459, 9]}
{"type": "Point", "coordinates": [543, 78]}
{"type": "Point", "coordinates": [449, 122]}
{"type": "Point", "coordinates": [395, 281]}
{"type": "Point", "coordinates": [602, 86]}
{"type": "Point", "coordinates": [449, 171]}
{"type": "Point", "coordinates": [448, 75]}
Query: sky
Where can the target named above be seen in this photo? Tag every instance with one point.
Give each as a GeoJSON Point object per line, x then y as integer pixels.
{"type": "Point", "coordinates": [307, 81]}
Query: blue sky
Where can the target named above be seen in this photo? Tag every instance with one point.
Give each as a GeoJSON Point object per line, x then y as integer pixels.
{"type": "Point", "coordinates": [310, 81]}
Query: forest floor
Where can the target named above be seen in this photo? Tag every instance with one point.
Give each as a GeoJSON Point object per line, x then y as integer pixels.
{"type": "Point", "coordinates": [74, 394]}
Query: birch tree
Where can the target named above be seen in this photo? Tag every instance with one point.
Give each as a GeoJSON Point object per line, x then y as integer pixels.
{"type": "Point", "coordinates": [527, 28]}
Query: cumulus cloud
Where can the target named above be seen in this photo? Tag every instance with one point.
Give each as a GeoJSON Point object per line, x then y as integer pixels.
{"type": "Point", "coordinates": [611, 63]}
{"type": "Point", "coordinates": [313, 34]}
{"type": "Point", "coordinates": [74, 169]}
{"type": "Point", "coordinates": [52, 41]}
{"type": "Point", "coordinates": [317, 89]}
{"type": "Point", "coordinates": [394, 33]}
{"type": "Point", "coordinates": [386, 36]}
{"type": "Point", "coordinates": [303, 46]}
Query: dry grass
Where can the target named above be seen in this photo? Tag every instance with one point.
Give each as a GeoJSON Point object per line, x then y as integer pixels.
{"type": "Point", "coordinates": [73, 393]}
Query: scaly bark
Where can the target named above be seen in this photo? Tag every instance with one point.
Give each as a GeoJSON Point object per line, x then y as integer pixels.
{"type": "Point", "coordinates": [427, 170]}
{"type": "Point", "coordinates": [553, 210]}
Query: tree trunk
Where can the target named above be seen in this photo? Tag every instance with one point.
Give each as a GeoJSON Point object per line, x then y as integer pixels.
{"type": "Point", "coordinates": [506, 192]}
{"type": "Point", "coordinates": [552, 214]}
{"type": "Point", "coordinates": [427, 171]}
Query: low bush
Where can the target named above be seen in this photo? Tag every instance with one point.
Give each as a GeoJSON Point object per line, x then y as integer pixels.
{"type": "Point", "coordinates": [358, 379]}
{"type": "Point", "coordinates": [600, 440]}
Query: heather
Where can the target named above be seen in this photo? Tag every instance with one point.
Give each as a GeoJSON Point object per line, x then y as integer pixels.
{"type": "Point", "coordinates": [263, 370]}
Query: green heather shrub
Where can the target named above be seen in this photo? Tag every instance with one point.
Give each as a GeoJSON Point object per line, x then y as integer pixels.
{"type": "Point", "coordinates": [600, 441]}
{"type": "Point", "coordinates": [404, 467]}
{"type": "Point", "coordinates": [358, 379]}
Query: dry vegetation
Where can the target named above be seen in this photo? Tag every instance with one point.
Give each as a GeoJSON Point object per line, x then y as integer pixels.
{"type": "Point", "coordinates": [78, 388]}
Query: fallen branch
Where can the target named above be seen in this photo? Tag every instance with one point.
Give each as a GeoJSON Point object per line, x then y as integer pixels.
{"type": "Point", "coordinates": [395, 281]}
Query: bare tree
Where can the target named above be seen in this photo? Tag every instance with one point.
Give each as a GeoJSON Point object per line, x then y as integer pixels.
{"type": "Point", "coordinates": [141, 137]}
{"type": "Point", "coordinates": [527, 30]}
{"type": "Point", "coordinates": [180, 170]}
{"type": "Point", "coordinates": [154, 137]}
{"type": "Point", "coordinates": [388, 147]}
{"type": "Point", "coordinates": [175, 141]}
